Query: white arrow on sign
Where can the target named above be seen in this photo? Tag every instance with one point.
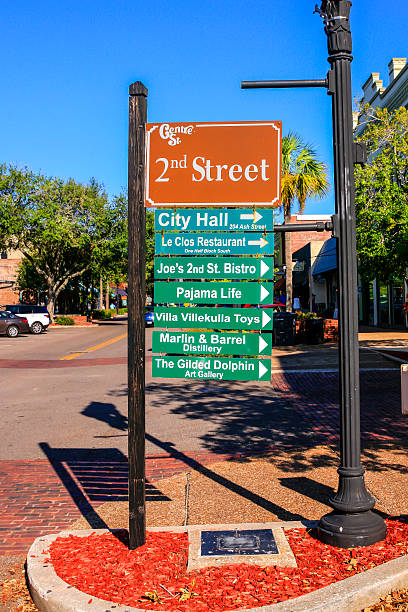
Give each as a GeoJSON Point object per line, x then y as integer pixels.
{"type": "Point", "coordinates": [265, 318]}
{"type": "Point", "coordinates": [261, 243]}
{"type": "Point", "coordinates": [262, 369]}
{"type": "Point", "coordinates": [262, 344]}
{"type": "Point", "coordinates": [252, 217]}
{"type": "Point", "coordinates": [264, 268]}
{"type": "Point", "coordinates": [263, 293]}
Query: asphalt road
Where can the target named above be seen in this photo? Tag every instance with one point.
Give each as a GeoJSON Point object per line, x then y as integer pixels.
{"type": "Point", "coordinates": [67, 388]}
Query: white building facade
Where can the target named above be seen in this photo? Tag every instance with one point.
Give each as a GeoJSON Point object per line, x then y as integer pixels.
{"type": "Point", "coordinates": [382, 304]}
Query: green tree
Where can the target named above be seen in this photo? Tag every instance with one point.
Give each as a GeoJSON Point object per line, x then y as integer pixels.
{"type": "Point", "coordinates": [303, 177]}
{"type": "Point", "coordinates": [59, 226]}
{"type": "Point", "coordinates": [110, 257]}
{"type": "Point", "coordinates": [382, 196]}
{"type": "Point", "coordinates": [149, 251]}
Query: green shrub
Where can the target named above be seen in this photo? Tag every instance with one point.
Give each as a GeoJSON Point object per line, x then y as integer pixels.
{"type": "Point", "coordinates": [101, 314]}
{"type": "Point", "coordinates": [303, 316]}
{"type": "Point", "coordinates": [123, 311]}
{"type": "Point", "coordinates": [64, 320]}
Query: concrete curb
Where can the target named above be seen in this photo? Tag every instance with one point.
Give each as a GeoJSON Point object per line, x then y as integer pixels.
{"type": "Point", "coordinates": [50, 327]}
{"type": "Point", "coordinates": [385, 355]}
{"type": "Point", "coordinates": [51, 594]}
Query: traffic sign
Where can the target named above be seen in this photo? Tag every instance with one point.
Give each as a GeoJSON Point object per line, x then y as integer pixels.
{"type": "Point", "coordinates": [214, 244]}
{"type": "Point", "coordinates": [213, 164]}
{"type": "Point", "coordinates": [211, 343]}
{"type": "Point", "coordinates": [216, 268]}
{"type": "Point", "coordinates": [211, 368]}
{"type": "Point", "coordinates": [213, 220]}
{"type": "Point", "coordinates": [213, 318]}
{"type": "Point", "coordinates": [213, 293]}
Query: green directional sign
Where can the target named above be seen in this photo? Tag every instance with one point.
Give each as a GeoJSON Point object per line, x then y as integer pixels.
{"type": "Point", "coordinates": [199, 368]}
{"type": "Point", "coordinates": [214, 343]}
{"type": "Point", "coordinates": [213, 318]}
{"type": "Point", "coordinates": [224, 219]}
{"type": "Point", "coordinates": [216, 268]}
{"type": "Point", "coordinates": [167, 243]}
{"type": "Point", "coordinates": [213, 293]}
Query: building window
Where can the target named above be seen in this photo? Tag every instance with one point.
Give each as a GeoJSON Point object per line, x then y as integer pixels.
{"type": "Point", "coordinates": [384, 306]}
{"type": "Point", "coordinates": [3, 255]}
{"type": "Point", "coordinates": [398, 313]}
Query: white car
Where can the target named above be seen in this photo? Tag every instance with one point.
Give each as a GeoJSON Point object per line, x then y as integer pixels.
{"type": "Point", "coordinates": [37, 316]}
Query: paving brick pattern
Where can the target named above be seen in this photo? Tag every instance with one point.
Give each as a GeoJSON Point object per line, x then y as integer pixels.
{"type": "Point", "coordinates": [44, 496]}
{"type": "Point", "coordinates": [35, 500]}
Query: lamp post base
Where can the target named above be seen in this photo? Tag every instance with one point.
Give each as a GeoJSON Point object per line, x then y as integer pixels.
{"type": "Point", "coordinates": [351, 530]}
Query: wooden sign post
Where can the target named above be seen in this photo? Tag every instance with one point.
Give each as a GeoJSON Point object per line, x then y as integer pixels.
{"type": "Point", "coordinates": [136, 313]}
{"type": "Point", "coordinates": [205, 165]}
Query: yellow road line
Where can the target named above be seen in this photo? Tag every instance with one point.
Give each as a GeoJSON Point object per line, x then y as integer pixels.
{"type": "Point", "coordinates": [94, 348]}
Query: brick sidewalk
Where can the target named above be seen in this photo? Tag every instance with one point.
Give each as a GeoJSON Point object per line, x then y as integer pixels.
{"type": "Point", "coordinates": [36, 500]}
{"type": "Point", "coordinates": [42, 496]}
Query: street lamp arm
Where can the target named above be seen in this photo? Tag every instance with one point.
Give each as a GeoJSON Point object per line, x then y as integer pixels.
{"type": "Point", "coordinates": [319, 226]}
{"type": "Point", "coordinates": [284, 84]}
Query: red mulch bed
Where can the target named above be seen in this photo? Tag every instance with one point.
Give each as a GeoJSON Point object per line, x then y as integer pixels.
{"type": "Point", "coordinates": [102, 566]}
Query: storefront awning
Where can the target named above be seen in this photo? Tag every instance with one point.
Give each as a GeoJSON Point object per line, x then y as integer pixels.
{"type": "Point", "coordinates": [118, 291]}
{"type": "Point", "coordinates": [326, 260]}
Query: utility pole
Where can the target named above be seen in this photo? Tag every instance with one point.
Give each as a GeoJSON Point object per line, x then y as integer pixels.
{"type": "Point", "coordinates": [352, 522]}
{"type": "Point", "coordinates": [136, 313]}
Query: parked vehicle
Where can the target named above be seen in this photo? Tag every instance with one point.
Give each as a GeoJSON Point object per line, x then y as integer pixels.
{"type": "Point", "coordinates": [11, 325]}
{"type": "Point", "coordinates": [149, 316]}
{"type": "Point", "coordinates": [37, 316]}
{"type": "Point", "coordinates": [277, 306]}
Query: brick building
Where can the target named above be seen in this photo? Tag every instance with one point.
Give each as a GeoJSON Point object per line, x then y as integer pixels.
{"type": "Point", "coordinates": [9, 265]}
{"type": "Point", "coordinates": [382, 304]}
{"type": "Point", "coordinates": [314, 260]}
{"type": "Point", "coordinates": [300, 239]}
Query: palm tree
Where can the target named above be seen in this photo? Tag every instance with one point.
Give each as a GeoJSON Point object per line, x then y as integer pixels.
{"type": "Point", "coordinates": [303, 176]}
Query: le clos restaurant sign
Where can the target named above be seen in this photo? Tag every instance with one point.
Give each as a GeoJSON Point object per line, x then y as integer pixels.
{"type": "Point", "coordinates": [213, 164]}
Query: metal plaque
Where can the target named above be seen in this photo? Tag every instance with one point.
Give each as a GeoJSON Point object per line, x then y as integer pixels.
{"type": "Point", "coordinates": [219, 268]}
{"type": "Point", "coordinates": [213, 318]}
{"type": "Point", "coordinates": [213, 293]}
{"type": "Point", "coordinates": [213, 220]}
{"type": "Point", "coordinates": [214, 368]}
{"type": "Point", "coordinates": [221, 243]}
{"type": "Point", "coordinates": [247, 542]}
{"type": "Point", "coordinates": [213, 164]}
{"type": "Point", "coordinates": [211, 343]}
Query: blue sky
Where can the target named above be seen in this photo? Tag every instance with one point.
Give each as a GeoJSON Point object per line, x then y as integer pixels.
{"type": "Point", "coordinates": [67, 66]}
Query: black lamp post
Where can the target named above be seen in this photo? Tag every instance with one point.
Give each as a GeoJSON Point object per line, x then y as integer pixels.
{"type": "Point", "coordinates": [352, 522]}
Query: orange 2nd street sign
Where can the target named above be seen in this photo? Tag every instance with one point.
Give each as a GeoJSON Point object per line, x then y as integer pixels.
{"type": "Point", "coordinates": [213, 164]}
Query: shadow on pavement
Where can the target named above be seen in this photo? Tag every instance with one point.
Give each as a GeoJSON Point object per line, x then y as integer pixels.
{"type": "Point", "coordinates": [293, 423]}
{"type": "Point", "coordinates": [107, 413]}
{"type": "Point", "coordinates": [245, 419]}
{"type": "Point", "coordinates": [309, 487]}
{"type": "Point", "coordinates": [94, 476]}
{"type": "Point", "coordinates": [262, 502]}
{"type": "Point", "coordinates": [103, 479]}
{"type": "Point", "coordinates": [295, 413]}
